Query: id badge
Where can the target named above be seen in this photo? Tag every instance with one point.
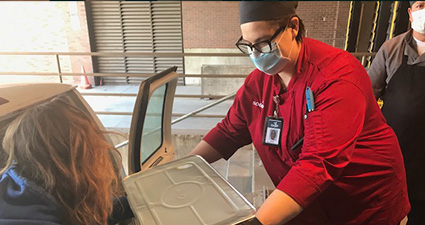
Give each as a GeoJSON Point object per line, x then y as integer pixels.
{"type": "Point", "coordinates": [272, 131]}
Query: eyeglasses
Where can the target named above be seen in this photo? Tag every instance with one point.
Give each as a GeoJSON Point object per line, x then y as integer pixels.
{"type": "Point", "coordinates": [262, 46]}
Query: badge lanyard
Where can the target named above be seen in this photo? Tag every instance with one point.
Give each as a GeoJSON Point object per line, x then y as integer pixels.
{"type": "Point", "coordinates": [273, 126]}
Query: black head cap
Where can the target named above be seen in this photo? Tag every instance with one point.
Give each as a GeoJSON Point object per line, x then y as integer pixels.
{"type": "Point", "coordinates": [250, 11]}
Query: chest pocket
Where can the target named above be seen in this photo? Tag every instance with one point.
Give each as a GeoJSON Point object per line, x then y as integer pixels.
{"type": "Point", "coordinates": [295, 149]}
{"type": "Point", "coordinates": [313, 130]}
{"type": "Point", "coordinates": [310, 137]}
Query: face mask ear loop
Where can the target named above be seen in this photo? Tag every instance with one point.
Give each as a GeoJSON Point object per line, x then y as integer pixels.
{"type": "Point", "coordinates": [290, 50]}
{"type": "Point", "coordinates": [292, 42]}
{"type": "Point", "coordinates": [277, 42]}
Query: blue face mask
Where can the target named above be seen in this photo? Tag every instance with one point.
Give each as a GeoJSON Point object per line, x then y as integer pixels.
{"type": "Point", "coordinates": [271, 62]}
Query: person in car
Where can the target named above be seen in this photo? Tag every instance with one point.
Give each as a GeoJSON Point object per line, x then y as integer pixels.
{"type": "Point", "coordinates": [58, 169]}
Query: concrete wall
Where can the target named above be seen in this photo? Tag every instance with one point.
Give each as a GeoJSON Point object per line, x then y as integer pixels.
{"type": "Point", "coordinates": [220, 86]}
{"type": "Point", "coordinates": [193, 65]}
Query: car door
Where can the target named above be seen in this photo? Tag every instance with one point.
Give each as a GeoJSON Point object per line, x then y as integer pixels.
{"type": "Point", "coordinates": [150, 129]}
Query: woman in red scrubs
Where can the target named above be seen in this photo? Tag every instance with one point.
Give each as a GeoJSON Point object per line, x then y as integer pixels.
{"type": "Point", "coordinates": [335, 160]}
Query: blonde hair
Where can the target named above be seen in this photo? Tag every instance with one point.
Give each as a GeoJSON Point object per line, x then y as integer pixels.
{"type": "Point", "coordinates": [62, 149]}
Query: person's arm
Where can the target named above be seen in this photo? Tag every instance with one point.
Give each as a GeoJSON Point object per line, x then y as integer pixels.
{"type": "Point", "coordinates": [229, 135]}
{"type": "Point", "coordinates": [279, 208]}
{"type": "Point", "coordinates": [330, 134]}
{"type": "Point", "coordinates": [378, 73]}
{"type": "Point", "coordinates": [121, 211]}
{"type": "Point", "coordinates": [207, 152]}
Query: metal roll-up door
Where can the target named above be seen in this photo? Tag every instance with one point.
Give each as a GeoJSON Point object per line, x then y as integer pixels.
{"type": "Point", "coordinates": [107, 36]}
{"type": "Point", "coordinates": [167, 35]}
{"type": "Point", "coordinates": [135, 26]}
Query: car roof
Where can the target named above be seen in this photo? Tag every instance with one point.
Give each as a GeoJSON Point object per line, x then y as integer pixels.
{"type": "Point", "coordinates": [14, 97]}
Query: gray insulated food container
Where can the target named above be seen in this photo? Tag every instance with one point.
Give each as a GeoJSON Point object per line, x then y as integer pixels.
{"type": "Point", "coordinates": [187, 191]}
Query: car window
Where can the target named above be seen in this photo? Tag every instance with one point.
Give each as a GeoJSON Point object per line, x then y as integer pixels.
{"type": "Point", "coordinates": [152, 127]}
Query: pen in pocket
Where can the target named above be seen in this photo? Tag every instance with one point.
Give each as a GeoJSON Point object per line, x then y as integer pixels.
{"type": "Point", "coordinates": [310, 99]}
{"type": "Point", "coordinates": [297, 144]}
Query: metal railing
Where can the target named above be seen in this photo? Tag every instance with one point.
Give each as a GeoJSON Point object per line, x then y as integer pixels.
{"type": "Point", "coordinates": [190, 114]}
{"type": "Point", "coordinates": [362, 56]}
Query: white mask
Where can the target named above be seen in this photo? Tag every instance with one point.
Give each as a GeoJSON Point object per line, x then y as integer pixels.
{"type": "Point", "coordinates": [418, 23]}
{"type": "Point", "coordinates": [271, 62]}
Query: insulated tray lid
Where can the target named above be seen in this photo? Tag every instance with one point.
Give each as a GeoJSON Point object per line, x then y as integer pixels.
{"type": "Point", "coordinates": [185, 191]}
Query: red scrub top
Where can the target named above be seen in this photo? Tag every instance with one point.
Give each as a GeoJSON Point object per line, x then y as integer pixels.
{"type": "Point", "coordinates": [350, 168]}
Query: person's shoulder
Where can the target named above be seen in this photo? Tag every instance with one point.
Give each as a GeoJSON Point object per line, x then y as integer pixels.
{"type": "Point", "coordinates": [400, 37]}
{"type": "Point", "coordinates": [321, 54]}
{"type": "Point", "coordinates": [15, 190]}
{"type": "Point", "coordinates": [254, 85]}
{"type": "Point", "coordinates": [256, 78]}
{"type": "Point", "coordinates": [331, 62]}
{"type": "Point", "coordinates": [395, 42]}
{"type": "Point", "coordinates": [335, 65]}
{"type": "Point", "coordinates": [317, 47]}
{"type": "Point", "coordinates": [11, 176]}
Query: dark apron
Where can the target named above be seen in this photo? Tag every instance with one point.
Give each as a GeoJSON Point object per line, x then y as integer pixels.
{"type": "Point", "coordinates": [404, 110]}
